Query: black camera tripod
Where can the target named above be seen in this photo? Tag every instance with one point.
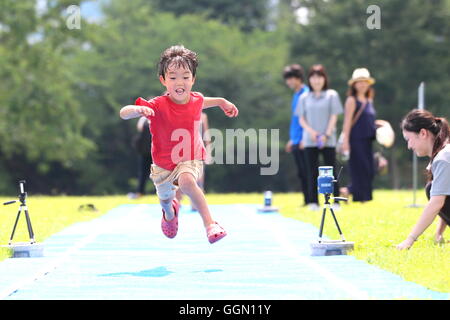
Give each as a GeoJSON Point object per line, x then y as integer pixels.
{"type": "Point", "coordinates": [326, 205]}
{"type": "Point", "coordinates": [23, 206]}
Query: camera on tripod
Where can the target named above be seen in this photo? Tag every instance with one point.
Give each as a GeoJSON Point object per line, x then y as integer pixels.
{"type": "Point", "coordinates": [22, 195]}
{"type": "Point", "coordinates": [23, 206]}
{"type": "Point", "coordinates": [31, 249]}
{"type": "Point", "coordinates": [325, 186]}
{"type": "Point", "coordinates": [325, 180]}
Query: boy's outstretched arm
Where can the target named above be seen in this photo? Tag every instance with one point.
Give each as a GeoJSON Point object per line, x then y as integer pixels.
{"type": "Point", "coordinates": [131, 111]}
{"type": "Point", "coordinates": [228, 108]}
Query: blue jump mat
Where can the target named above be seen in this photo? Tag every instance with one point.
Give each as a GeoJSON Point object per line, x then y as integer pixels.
{"type": "Point", "coordinates": [124, 255]}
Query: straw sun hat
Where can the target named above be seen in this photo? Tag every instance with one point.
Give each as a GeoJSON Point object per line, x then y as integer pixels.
{"type": "Point", "coordinates": [361, 74]}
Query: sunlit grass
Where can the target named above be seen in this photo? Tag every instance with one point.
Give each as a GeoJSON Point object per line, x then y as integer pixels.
{"type": "Point", "coordinates": [376, 227]}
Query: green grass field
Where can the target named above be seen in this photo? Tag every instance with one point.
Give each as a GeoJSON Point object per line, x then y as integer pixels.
{"type": "Point", "coordinates": [375, 227]}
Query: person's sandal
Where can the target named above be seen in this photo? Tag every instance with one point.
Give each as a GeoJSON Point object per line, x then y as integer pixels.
{"type": "Point", "coordinates": [215, 232]}
{"type": "Point", "coordinates": [170, 228]}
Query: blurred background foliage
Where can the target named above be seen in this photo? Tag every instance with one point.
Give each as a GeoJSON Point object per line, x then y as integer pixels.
{"type": "Point", "coordinates": [62, 89]}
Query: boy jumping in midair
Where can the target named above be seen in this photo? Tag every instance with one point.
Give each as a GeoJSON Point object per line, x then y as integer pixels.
{"type": "Point", "coordinates": [176, 115]}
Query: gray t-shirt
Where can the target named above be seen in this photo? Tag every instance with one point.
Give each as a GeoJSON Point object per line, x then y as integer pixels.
{"type": "Point", "coordinates": [440, 168]}
{"type": "Point", "coordinates": [317, 111]}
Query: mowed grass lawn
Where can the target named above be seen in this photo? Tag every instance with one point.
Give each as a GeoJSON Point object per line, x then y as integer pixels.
{"type": "Point", "coordinates": [375, 227]}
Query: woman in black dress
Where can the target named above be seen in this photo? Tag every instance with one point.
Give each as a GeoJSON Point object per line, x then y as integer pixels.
{"type": "Point", "coordinates": [358, 134]}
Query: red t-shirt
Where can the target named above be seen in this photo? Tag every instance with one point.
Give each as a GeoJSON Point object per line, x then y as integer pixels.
{"type": "Point", "coordinates": [175, 130]}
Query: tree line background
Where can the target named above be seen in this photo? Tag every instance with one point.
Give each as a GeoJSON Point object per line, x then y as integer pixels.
{"type": "Point", "coordinates": [61, 89]}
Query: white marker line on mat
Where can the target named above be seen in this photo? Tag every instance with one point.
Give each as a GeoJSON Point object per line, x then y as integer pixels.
{"type": "Point", "coordinates": [49, 267]}
{"type": "Point", "coordinates": [290, 250]}
{"type": "Point", "coordinates": [95, 224]}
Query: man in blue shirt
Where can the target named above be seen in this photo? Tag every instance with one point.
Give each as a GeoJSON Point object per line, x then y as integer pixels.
{"type": "Point", "coordinates": [293, 76]}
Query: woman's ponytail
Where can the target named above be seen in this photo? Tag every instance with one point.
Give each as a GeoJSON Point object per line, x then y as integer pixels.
{"type": "Point", "coordinates": [442, 135]}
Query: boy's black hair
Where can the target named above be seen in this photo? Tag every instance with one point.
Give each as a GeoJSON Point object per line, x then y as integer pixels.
{"type": "Point", "coordinates": [293, 71]}
{"type": "Point", "coordinates": [181, 57]}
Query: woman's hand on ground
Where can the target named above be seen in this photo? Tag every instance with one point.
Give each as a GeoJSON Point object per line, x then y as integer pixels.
{"type": "Point", "coordinates": [406, 244]}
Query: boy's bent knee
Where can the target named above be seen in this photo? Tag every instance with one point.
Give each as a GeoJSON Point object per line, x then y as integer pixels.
{"type": "Point", "coordinates": [186, 181]}
{"type": "Point", "coordinates": [165, 193]}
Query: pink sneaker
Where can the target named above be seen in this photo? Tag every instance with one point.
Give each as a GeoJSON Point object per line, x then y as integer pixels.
{"type": "Point", "coordinates": [170, 228]}
{"type": "Point", "coordinates": [215, 232]}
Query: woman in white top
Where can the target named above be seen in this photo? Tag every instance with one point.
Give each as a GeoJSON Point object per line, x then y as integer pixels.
{"type": "Point", "coordinates": [428, 136]}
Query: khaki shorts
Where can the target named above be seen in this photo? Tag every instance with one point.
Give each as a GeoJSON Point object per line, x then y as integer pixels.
{"type": "Point", "coordinates": [166, 181]}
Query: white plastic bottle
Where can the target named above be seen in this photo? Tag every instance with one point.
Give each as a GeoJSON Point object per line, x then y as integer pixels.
{"type": "Point", "coordinates": [268, 199]}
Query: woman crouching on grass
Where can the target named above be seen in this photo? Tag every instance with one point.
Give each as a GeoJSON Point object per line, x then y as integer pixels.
{"type": "Point", "coordinates": [429, 136]}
